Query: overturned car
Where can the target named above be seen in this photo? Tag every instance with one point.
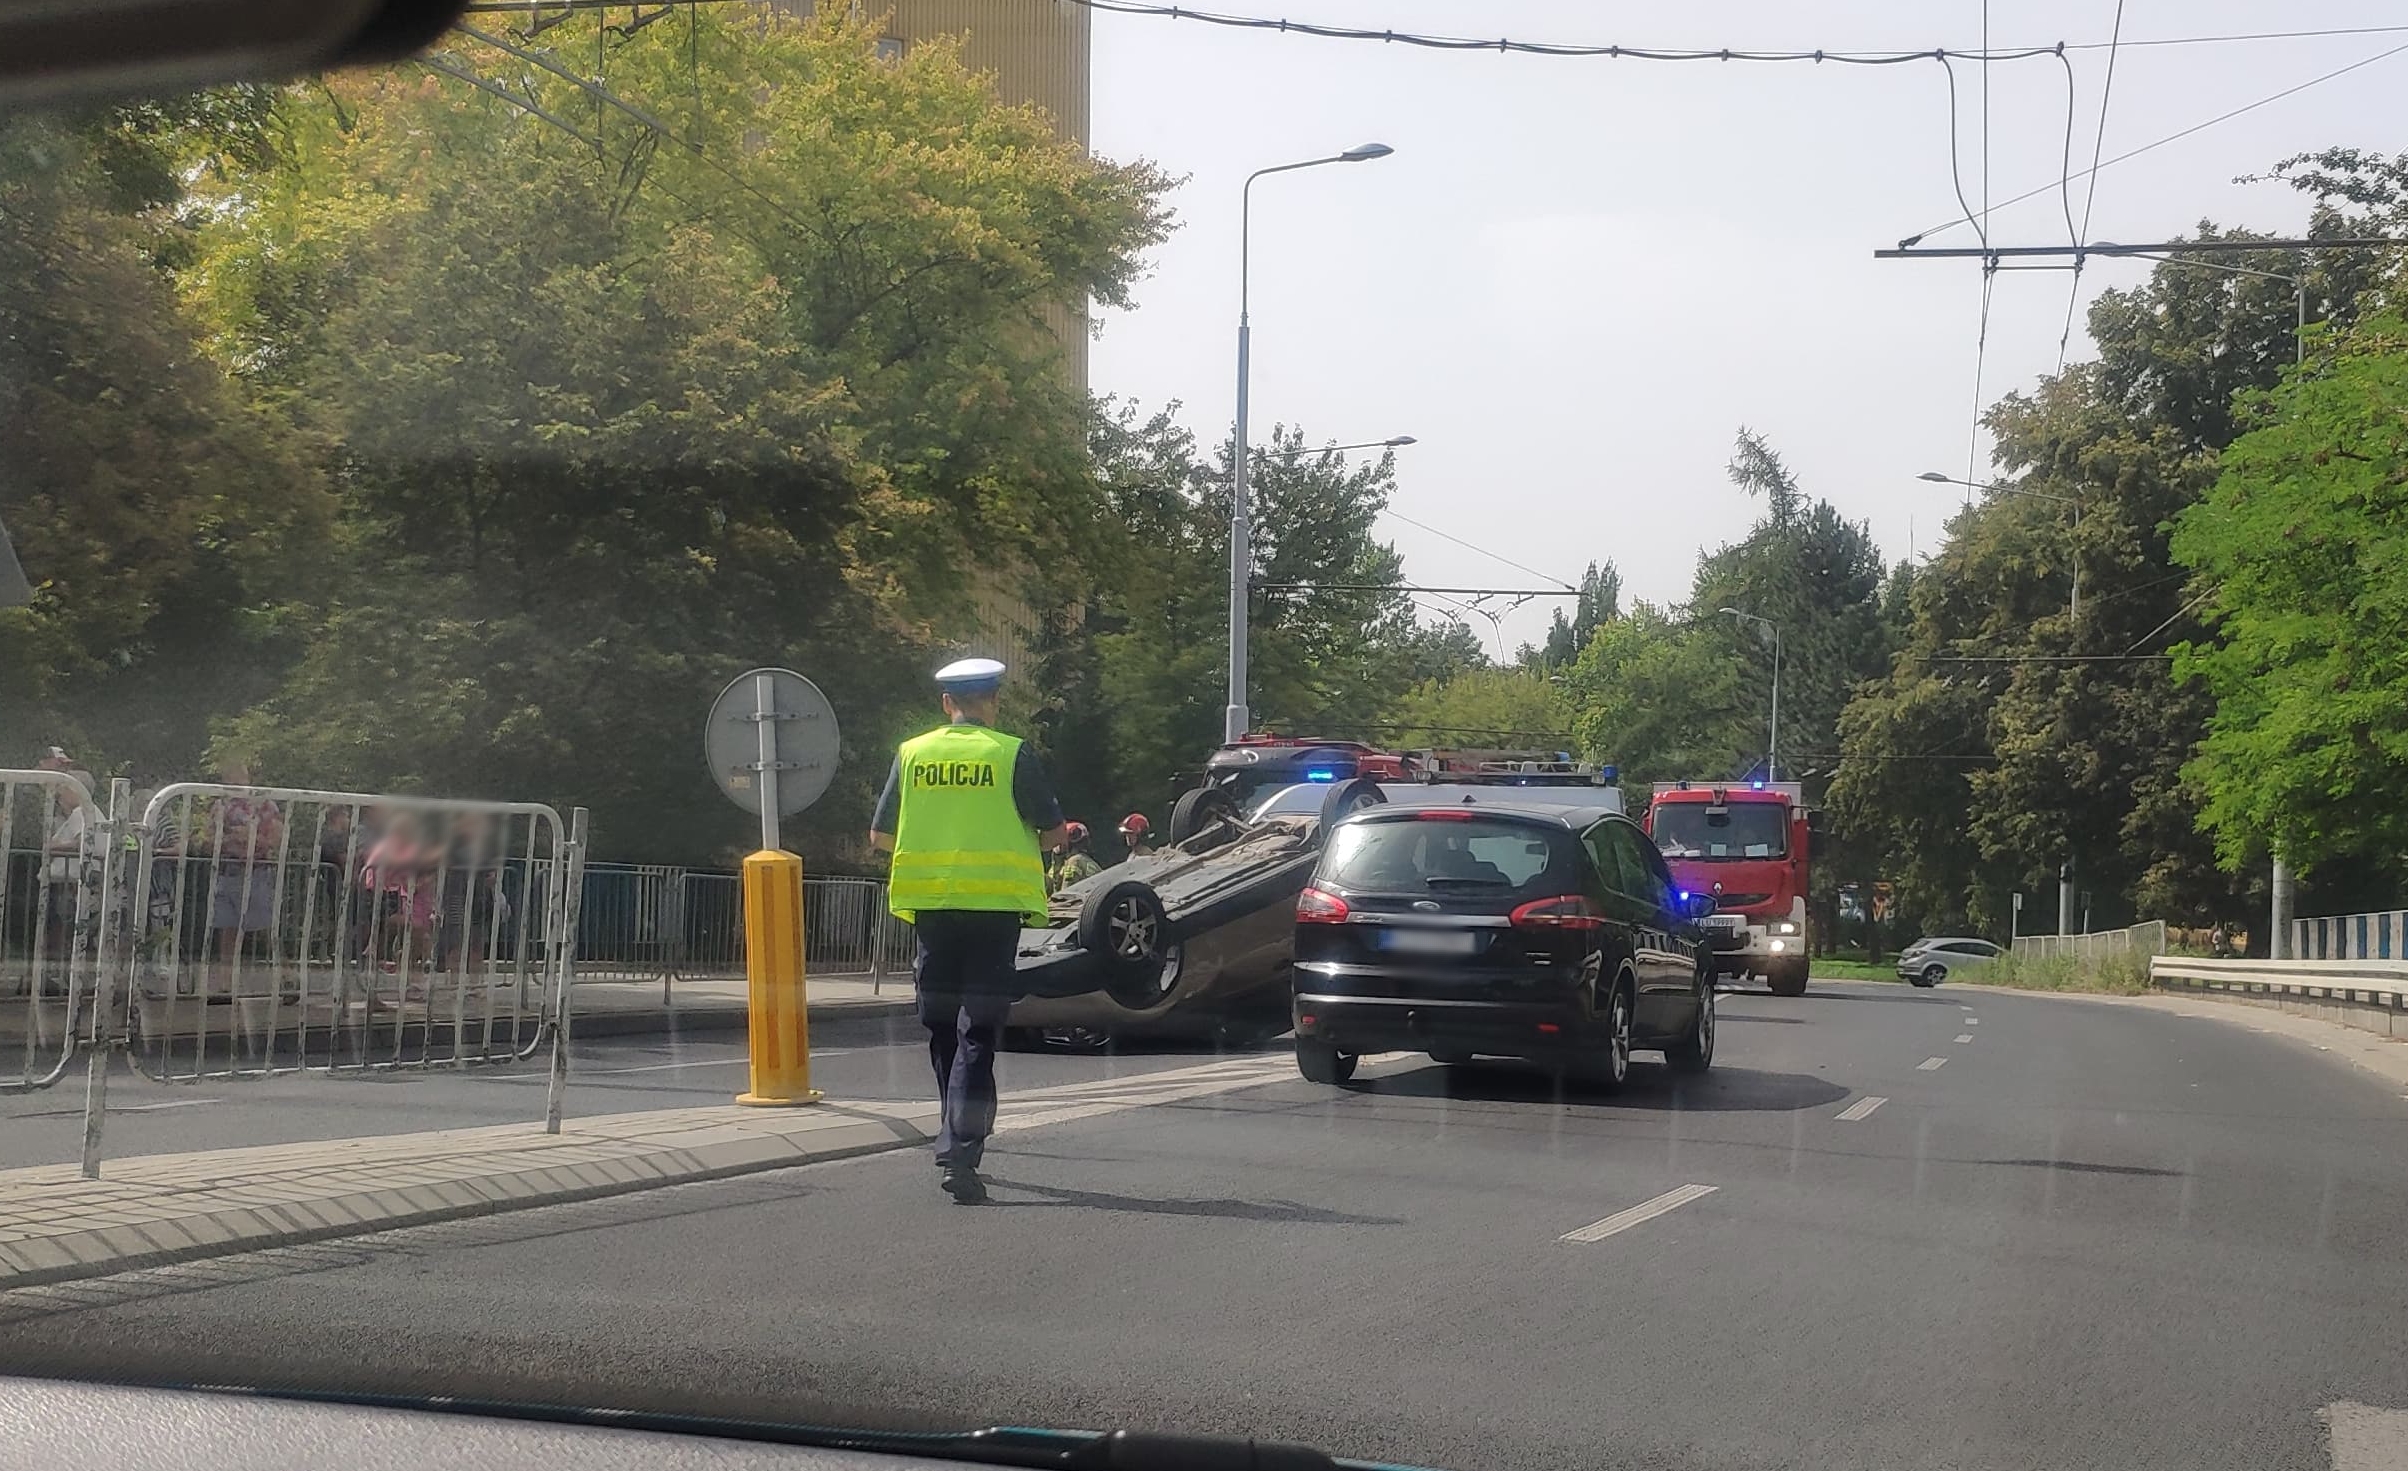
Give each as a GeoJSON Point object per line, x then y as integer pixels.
{"type": "Point", "coordinates": [1193, 940]}
{"type": "Point", "coordinates": [1197, 941]}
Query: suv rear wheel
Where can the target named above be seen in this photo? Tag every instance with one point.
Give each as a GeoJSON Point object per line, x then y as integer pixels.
{"type": "Point", "coordinates": [1610, 1069]}
{"type": "Point", "coordinates": [1695, 1052]}
{"type": "Point", "coordinates": [1320, 1062]}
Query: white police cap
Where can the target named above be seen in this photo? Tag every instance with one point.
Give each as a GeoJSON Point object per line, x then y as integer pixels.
{"type": "Point", "coordinates": [971, 677]}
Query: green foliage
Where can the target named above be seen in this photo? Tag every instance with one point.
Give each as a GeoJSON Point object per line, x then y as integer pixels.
{"type": "Point", "coordinates": [1600, 602]}
{"type": "Point", "coordinates": [743, 362]}
{"type": "Point", "coordinates": [2303, 543]}
{"type": "Point", "coordinates": [151, 509]}
{"type": "Point", "coordinates": [1506, 708]}
{"type": "Point", "coordinates": [1654, 695]}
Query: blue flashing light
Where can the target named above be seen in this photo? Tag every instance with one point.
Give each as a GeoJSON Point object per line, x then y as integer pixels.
{"type": "Point", "coordinates": [1609, 773]}
{"type": "Point", "coordinates": [1321, 774]}
{"type": "Point", "coordinates": [1684, 896]}
{"type": "Point", "coordinates": [1759, 786]}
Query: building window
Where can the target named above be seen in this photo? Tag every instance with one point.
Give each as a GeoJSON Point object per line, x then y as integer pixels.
{"type": "Point", "coordinates": [890, 48]}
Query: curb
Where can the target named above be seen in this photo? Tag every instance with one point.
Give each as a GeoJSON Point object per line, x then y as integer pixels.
{"type": "Point", "coordinates": [612, 1155]}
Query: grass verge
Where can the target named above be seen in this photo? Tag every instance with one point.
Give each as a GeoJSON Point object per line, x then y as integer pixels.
{"type": "Point", "coordinates": [2105, 975]}
{"type": "Point", "coordinates": [1854, 970]}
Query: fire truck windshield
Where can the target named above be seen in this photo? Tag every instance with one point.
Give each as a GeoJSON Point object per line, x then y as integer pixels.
{"type": "Point", "coordinates": [1740, 830]}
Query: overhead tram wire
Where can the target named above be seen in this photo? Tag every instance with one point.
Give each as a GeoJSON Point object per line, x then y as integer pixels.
{"type": "Point", "coordinates": [2090, 194]}
{"type": "Point", "coordinates": [2201, 126]}
{"type": "Point", "coordinates": [1538, 48]}
{"type": "Point", "coordinates": [1483, 551]}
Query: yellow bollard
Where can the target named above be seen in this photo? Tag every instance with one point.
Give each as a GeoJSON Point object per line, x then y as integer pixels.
{"type": "Point", "coordinates": [773, 963]}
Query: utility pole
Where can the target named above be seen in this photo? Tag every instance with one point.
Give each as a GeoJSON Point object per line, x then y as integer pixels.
{"type": "Point", "coordinates": [2065, 897]}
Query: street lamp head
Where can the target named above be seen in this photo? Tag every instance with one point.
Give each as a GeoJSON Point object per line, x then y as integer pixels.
{"type": "Point", "coordinates": [1365, 152]}
{"type": "Point", "coordinates": [1733, 612]}
{"type": "Point", "coordinates": [1400, 441]}
{"type": "Point", "coordinates": [1936, 478]}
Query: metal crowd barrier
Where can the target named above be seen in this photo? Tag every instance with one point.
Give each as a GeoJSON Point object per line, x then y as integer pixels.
{"type": "Point", "coordinates": [2140, 939]}
{"type": "Point", "coordinates": [54, 851]}
{"type": "Point", "coordinates": [644, 922]}
{"type": "Point", "coordinates": [280, 930]}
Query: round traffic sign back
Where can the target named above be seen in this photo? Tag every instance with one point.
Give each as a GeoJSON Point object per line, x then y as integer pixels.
{"type": "Point", "coordinates": [803, 739]}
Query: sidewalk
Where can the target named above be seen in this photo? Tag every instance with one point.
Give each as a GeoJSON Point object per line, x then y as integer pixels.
{"type": "Point", "coordinates": [611, 1008]}
{"type": "Point", "coordinates": [152, 1209]}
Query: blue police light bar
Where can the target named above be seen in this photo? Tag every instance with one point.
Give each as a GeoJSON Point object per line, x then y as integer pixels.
{"type": "Point", "coordinates": [1759, 786]}
{"type": "Point", "coordinates": [1322, 775]}
{"type": "Point", "coordinates": [1609, 773]}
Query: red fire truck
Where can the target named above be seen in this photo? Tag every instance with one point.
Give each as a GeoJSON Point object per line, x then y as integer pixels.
{"type": "Point", "coordinates": [1745, 843]}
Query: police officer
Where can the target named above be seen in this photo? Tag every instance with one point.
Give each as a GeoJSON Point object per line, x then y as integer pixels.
{"type": "Point", "coordinates": [967, 812]}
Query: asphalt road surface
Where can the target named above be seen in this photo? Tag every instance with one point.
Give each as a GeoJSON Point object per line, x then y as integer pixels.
{"type": "Point", "coordinates": [1893, 1228]}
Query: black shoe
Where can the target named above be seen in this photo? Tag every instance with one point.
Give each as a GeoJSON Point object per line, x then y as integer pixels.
{"type": "Point", "coordinates": [963, 1184]}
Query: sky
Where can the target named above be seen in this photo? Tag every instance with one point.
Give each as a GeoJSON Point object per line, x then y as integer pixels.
{"type": "Point", "coordinates": [1577, 278]}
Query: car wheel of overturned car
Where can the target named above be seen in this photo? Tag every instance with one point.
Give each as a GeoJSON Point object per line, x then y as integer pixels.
{"type": "Point", "coordinates": [1350, 797]}
{"type": "Point", "coordinates": [1932, 975]}
{"type": "Point", "coordinates": [1198, 810]}
{"type": "Point", "coordinates": [1128, 932]}
{"type": "Point", "coordinates": [1322, 1063]}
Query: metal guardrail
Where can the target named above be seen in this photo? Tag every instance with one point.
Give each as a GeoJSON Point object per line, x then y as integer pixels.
{"type": "Point", "coordinates": [2382, 935]}
{"type": "Point", "coordinates": [2139, 939]}
{"type": "Point", "coordinates": [2378, 983]}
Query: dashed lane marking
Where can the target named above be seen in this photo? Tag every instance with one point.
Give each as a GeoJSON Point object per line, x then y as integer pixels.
{"type": "Point", "coordinates": [1648, 1210]}
{"type": "Point", "coordinates": [1931, 1064]}
{"type": "Point", "coordinates": [1964, 1036]}
{"type": "Point", "coordinates": [1862, 1108]}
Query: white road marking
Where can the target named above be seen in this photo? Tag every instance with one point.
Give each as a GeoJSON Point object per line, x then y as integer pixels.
{"type": "Point", "coordinates": [1964, 1036]}
{"type": "Point", "coordinates": [1670, 1200]}
{"type": "Point", "coordinates": [1973, 1021]}
{"type": "Point", "coordinates": [1862, 1108]}
{"type": "Point", "coordinates": [1073, 1101]}
{"type": "Point", "coordinates": [157, 1107]}
{"type": "Point", "coordinates": [2365, 1437]}
{"type": "Point", "coordinates": [1931, 1064]}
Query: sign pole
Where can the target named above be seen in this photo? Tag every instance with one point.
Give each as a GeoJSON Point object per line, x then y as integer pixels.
{"type": "Point", "coordinates": [778, 1017]}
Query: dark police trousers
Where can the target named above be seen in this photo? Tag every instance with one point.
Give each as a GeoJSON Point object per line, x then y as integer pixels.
{"type": "Point", "coordinates": [967, 983]}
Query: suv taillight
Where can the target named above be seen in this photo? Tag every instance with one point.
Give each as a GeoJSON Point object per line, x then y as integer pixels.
{"type": "Point", "coordinates": [1315, 907]}
{"type": "Point", "coordinates": [1563, 912]}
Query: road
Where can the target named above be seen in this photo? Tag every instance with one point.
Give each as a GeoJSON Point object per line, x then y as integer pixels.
{"type": "Point", "coordinates": [2069, 1233]}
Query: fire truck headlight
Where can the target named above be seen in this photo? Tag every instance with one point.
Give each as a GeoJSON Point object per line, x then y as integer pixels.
{"type": "Point", "coordinates": [1779, 946]}
{"type": "Point", "coordinates": [1786, 927]}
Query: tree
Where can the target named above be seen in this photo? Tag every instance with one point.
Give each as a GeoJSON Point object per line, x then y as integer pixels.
{"type": "Point", "coordinates": [1655, 696]}
{"type": "Point", "coordinates": [1508, 708]}
{"type": "Point", "coordinates": [1600, 601]}
{"type": "Point", "coordinates": [157, 517]}
{"type": "Point", "coordinates": [739, 358]}
{"type": "Point", "coordinates": [2301, 548]}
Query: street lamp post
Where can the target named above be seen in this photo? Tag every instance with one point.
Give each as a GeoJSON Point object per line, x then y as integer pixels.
{"type": "Point", "coordinates": [1772, 740]}
{"type": "Point", "coordinates": [1237, 717]}
{"type": "Point", "coordinates": [2073, 606]}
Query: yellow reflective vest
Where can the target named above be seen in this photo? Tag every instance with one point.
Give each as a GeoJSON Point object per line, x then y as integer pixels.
{"type": "Point", "coordinates": [960, 842]}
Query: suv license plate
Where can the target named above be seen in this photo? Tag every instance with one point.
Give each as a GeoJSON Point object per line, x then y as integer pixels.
{"type": "Point", "coordinates": [1429, 942]}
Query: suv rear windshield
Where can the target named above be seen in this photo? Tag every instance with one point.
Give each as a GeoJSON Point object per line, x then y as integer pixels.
{"type": "Point", "coordinates": [1740, 830]}
{"type": "Point", "coordinates": [1451, 855]}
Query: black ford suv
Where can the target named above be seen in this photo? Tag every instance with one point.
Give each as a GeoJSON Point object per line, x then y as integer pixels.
{"type": "Point", "coordinates": [1544, 932]}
